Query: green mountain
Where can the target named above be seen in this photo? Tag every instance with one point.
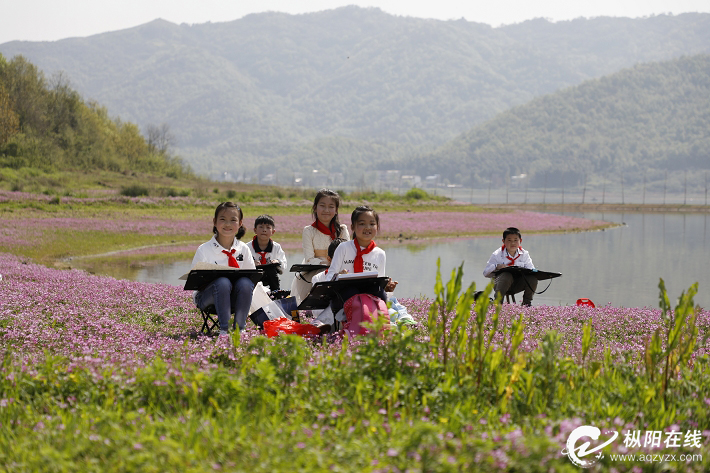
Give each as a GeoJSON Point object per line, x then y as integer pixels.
{"type": "Point", "coordinates": [640, 122]}
{"type": "Point", "coordinates": [344, 88]}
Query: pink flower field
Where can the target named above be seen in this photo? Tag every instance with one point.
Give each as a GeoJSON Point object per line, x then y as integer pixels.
{"type": "Point", "coordinates": [114, 326]}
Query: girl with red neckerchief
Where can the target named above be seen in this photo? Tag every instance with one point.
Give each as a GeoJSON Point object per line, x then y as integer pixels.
{"type": "Point", "coordinates": [362, 254]}
{"type": "Point", "coordinates": [317, 237]}
{"type": "Point", "coordinates": [225, 248]}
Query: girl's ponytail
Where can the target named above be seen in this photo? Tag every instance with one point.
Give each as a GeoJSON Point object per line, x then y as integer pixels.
{"type": "Point", "coordinates": [241, 232]}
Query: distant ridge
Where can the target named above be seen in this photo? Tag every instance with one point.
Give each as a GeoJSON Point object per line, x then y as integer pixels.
{"type": "Point", "coordinates": [639, 121]}
{"type": "Point", "coordinates": [345, 88]}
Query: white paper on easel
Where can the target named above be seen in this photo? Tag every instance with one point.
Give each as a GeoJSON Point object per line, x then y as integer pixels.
{"type": "Point", "coordinates": [201, 265]}
{"type": "Point", "coordinates": [363, 275]}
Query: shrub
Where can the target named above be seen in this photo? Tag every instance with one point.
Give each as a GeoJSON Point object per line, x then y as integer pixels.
{"type": "Point", "coordinates": [135, 190]}
{"type": "Point", "coordinates": [416, 193]}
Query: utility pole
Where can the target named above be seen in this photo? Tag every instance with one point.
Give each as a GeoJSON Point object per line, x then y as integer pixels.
{"type": "Point", "coordinates": [544, 192]}
{"type": "Point", "coordinates": [489, 188]}
{"type": "Point", "coordinates": [665, 180]}
{"type": "Point", "coordinates": [507, 184]}
{"type": "Point", "coordinates": [563, 188]}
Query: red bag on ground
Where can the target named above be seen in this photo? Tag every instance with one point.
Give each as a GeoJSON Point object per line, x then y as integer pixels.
{"type": "Point", "coordinates": [362, 308]}
{"type": "Point", "coordinates": [585, 302]}
{"type": "Point", "coordinates": [273, 328]}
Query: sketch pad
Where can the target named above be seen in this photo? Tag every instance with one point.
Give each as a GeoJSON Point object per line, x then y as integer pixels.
{"type": "Point", "coordinates": [323, 292]}
{"type": "Point", "coordinates": [268, 266]}
{"type": "Point", "coordinates": [536, 273]}
{"type": "Point", "coordinates": [305, 268]}
{"type": "Point", "coordinates": [204, 273]}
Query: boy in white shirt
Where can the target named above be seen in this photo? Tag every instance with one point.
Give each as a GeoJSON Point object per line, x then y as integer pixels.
{"type": "Point", "coordinates": [264, 250]}
{"type": "Point", "coordinates": [512, 254]}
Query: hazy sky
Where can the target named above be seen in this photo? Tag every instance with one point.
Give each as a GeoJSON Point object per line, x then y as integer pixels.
{"type": "Point", "coordinates": [49, 20]}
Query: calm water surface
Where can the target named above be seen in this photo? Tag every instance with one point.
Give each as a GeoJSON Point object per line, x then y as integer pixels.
{"type": "Point", "coordinates": [619, 266]}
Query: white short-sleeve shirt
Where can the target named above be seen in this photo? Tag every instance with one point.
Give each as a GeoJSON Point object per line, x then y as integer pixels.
{"type": "Point", "coordinates": [345, 256]}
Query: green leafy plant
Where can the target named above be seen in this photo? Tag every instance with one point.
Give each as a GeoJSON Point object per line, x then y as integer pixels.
{"type": "Point", "coordinates": [680, 336]}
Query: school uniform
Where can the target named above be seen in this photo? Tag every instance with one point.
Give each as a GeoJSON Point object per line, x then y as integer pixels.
{"type": "Point", "coordinates": [344, 258]}
{"type": "Point", "coordinates": [212, 252]}
{"type": "Point", "coordinates": [508, 283]}
{"type": "Point", "coordinates": [227, 297]}
{"type": "Point", "coordinates": [264, 256]}
{"type": "Point", "coordinates": [315, 249]}
{"type": "Point", "coordinates": [326, 275]}
{"type": "Point", "coordinates": [345, 254]}
{"type": "Point", "coordinates": [315, 241]}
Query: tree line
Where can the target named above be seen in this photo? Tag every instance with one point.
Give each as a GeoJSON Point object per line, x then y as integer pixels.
{"type": "Point", "coordinates": [641, 122]}
{"type": "Point", "coordinates": [46, 125]}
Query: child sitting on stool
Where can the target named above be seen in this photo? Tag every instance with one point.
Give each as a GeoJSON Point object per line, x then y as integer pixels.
{"type": "Point", "coordinates": [512, 254]}
{"type": "Point", "coordinates": [264, 251]}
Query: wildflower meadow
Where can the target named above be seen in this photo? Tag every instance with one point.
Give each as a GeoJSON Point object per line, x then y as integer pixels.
{"type": "Point", "coordinates": [100, 374]}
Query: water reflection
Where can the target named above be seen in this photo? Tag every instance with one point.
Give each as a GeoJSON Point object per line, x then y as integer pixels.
{"type": "Point", "coordinates": [619, 266]}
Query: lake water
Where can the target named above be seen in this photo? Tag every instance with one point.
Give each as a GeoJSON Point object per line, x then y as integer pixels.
{"type": "Point", "coordinates": [619, 266]}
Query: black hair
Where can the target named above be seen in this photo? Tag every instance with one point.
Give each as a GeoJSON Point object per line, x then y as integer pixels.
{"type": "Point", "coordinates": [264, 220]}
{"type": "Point", "coordinates": [230, 205]}
{"type": "Point", "coordinates": [333, 245]}
{"type": "Point", "coordinates": [512, 231]}
{"type": "Point", "coordinates": [333, 195]}
{"type": "Point", "coordinates": [361, 210]}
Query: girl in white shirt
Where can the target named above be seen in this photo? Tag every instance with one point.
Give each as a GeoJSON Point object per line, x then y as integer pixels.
{"type": "Point", "coordinates": [317, 237]}
{"type": "Point", "coordinates": [362, 254]}
{"type": "Point", "coordinates": [225, 249]}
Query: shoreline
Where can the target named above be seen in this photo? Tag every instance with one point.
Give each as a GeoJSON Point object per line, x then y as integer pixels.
{"type": "Point", "coordinates": [595, 207]}
{"type": "Point", "coordinates": [293, 244]}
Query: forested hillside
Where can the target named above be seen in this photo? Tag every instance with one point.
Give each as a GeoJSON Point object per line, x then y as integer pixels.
{"type": "Point", "coordinates": [639, 122]}
{"type": "Point", "coordinates": [45, 126]}
{"type": "Point", "coordinates": [345, 88]}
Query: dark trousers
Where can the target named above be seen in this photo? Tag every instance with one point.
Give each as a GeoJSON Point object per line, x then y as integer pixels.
{"type": "Point", "coordinates": [507, 283]}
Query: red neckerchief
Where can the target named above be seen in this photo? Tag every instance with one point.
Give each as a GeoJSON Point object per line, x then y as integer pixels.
{"type": "Point", "coordinates": [230, 255]}
{"type": "Point", "coordinates": [269, 248]}
{"type": "Point", "coordinates": [358, 263]}
{"type": "Point", "coordinates": [512, 260]}
{"type": "Point", "coordinates": [325, 230]}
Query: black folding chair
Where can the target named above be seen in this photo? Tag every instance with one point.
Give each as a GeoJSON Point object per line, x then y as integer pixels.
{"type": "Point", "coordinates": [210, 320]}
